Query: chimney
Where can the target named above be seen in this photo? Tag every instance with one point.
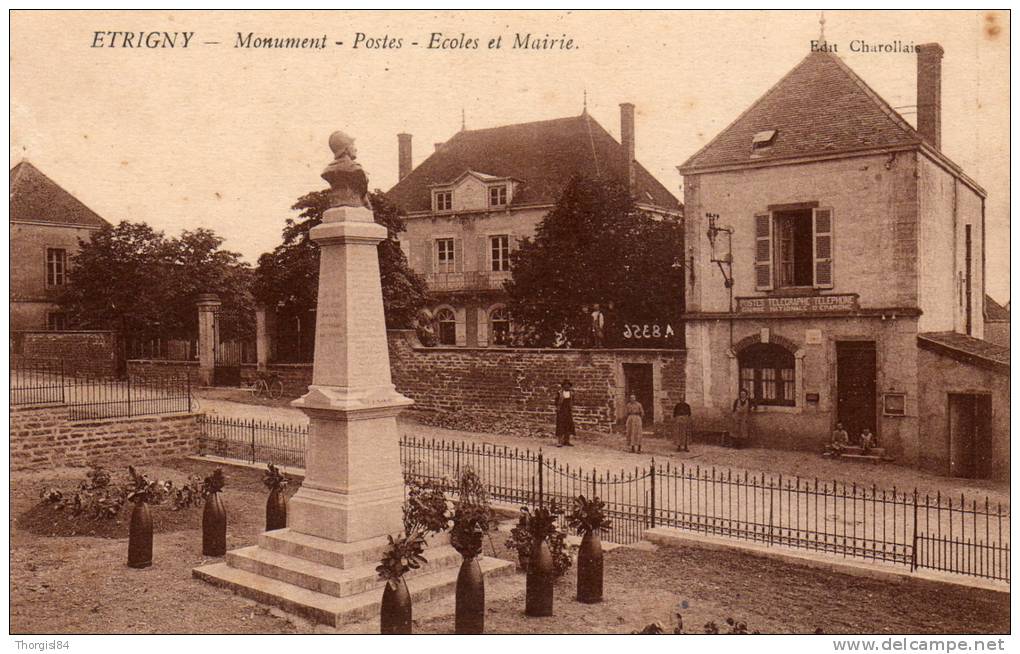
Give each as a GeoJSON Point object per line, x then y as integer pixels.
{"type": "Point", "coordinates": [627, 140]}
{"type": "Point", "coordinates": [404, 155]}
{"type": "Point", "coordinates": [929, 93]}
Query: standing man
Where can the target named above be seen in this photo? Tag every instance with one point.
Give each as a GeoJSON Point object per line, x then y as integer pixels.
{"type": "Point", "coordinates": [598, 326]}
{"type": "Point", "coordinates": [564, 414]}
{"type": "Point", "coordinates": [684, 426]}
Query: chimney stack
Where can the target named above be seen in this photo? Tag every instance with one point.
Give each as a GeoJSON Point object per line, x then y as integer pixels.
{"type": "Point", "coordinates": [627, 141]}
{"type": "Point", "coordinates": [404, 155]}
{"type": "Point", "coordinates": [929, 93]}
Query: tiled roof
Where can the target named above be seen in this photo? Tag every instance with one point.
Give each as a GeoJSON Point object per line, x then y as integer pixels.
{"type": "Point", "coordinates": [820, 107]}
{"type": "Point", "coordinates": [994, 310]}
{"type": "Point", "coordinates": [37, 198]}
{"type": "Point", "coordinates": [966, 349]}
{"type": "Point", "coordinates": [543, 155]}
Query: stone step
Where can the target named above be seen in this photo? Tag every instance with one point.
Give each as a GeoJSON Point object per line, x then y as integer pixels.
{"type": "Point", "coordinates": [328, 579]}
{"type": "Point", "coordinates": [337, 611]}
{"type": "Point", "coordinates": [333, 553]}
{"type": "Point", "coordinates": [861, 458]}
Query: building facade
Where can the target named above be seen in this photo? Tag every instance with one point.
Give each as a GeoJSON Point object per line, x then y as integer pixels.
{"type": "Point", "coordinates": [472, 200]}
{"type": "Point", "coordinates": [46, 224]}
{"type": "Point", "coordinates": [825, 234]}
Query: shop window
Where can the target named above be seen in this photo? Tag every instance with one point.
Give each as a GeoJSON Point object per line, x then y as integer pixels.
{"type": "Point", "coordinates": [499, 324]}
{"type": "Point", "coordinates": [447, 327]}
{"type": "Point", "coordinates": [767, 373]}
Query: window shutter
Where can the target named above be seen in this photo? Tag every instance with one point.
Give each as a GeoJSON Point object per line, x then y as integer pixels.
{"type": "Point", "coordinates": [763, 251]}
{"type": "Point", "coordinates": [428, 255]}
{"type": "Point", "coordinates": [823, 247]}
{"type": "Point", "coordinates": [483, 257]}
{"type": "Point", "coordinates": [458, 254]}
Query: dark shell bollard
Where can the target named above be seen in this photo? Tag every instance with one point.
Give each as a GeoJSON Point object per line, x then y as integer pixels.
{"type": "Point", "coordinates": [140, 537]}
{"type": "Point", "coordinates": [214, 527]}
{"type": "Point", "coordinates": [276, 510]}
{"type": "Point", "coordinates": [538, 599]}
{"type": "Point", "coordinates": [395, 613]}
{"type": "Point", "coordinates": [589, 569]}
{"type": "Point", "coordinates": [470, 615]}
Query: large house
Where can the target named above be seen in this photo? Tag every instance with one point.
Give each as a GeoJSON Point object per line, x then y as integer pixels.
{"type": "Point", "coordinates": [835, 250]}
{"type": "Point", "coordinates": [476, 195]}
{"type": "Point", "coordinates": [46, 224]}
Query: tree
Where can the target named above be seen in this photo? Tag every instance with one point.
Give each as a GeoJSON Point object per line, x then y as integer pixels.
{"type": "Point", "coordinates": [595, 247]}
{"type": "Point", "coordinates": [288, 277]}
{"type": "Point", "coordinates": [133, 278]}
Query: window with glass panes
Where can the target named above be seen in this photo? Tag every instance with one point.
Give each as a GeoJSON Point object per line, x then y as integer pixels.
{"type": "Point", "coordinates": [767, 373]}
{"type": "Point", "coordinates": [56, 266]}
{"type": "Point", "coordinates": [499, 246]}
{"type": "Point", "coordinates": [499, 321]}
{"type": "Point", "coordinates": [444, 200]}
{"type": "Point", "coordinates": [444, 255]}
{"type": "Point", "coordinates": [497, 196]}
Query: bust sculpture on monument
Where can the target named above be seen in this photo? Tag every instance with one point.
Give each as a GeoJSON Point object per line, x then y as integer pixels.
{"type": "Point", "coordinates": [347, 180]}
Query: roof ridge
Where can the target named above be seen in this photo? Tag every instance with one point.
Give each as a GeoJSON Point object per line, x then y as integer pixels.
{"type": "Point", "coordinates": [529, 122]}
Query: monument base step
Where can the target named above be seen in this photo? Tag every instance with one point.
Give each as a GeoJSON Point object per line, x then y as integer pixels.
{"type": "Point", "coordinates": [337, 611]}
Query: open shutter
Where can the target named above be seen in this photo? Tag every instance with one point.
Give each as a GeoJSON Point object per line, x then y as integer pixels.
{"type": "Point", "coordinates": [823, 247]}
{"type": "Point", "coordinates": [428, 256]}
{"type": "Point", "coordinates": [458, 254]}
{"type": "Point", "coordinates": [763, 252]}
{"type": "Point", "coordinates": [483, 259]}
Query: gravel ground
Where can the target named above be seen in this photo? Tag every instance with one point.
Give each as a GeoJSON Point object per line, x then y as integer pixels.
{"type": "Point", "coordinates": [70, 585]}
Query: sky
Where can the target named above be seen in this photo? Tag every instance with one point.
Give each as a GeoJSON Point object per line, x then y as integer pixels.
{"type": "Point", "coordinates": [228, 138]}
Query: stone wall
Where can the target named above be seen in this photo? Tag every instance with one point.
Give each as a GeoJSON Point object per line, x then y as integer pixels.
{"type": "Point", "coordinates": [523, 382]}
{"type": "Point", "coordinates": [45, 437]}
{"type": "Point", "coordinates": [92, 353]}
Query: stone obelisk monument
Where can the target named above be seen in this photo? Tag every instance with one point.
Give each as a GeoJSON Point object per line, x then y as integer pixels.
{"type": "Point", "coordinates": [353, 486]}
{"type": "Point", "coordinates": [323, 565]}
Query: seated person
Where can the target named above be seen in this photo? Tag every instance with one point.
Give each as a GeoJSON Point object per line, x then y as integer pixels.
{"type": "Point", "coordinates": [868, 440]}
{"type": "Point", "coordinates": [840, 440]}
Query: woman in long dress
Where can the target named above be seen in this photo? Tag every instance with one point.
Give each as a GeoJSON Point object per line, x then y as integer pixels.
{"type": "Point", "coordinates": [564, 414]}
{"type": "Point", "coordinates": [634, 424]}
{"type": "Point", "coordinates": [742, 408]}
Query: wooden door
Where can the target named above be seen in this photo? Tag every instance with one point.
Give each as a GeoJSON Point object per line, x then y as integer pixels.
{"type": "Point", "coordinates": [856, 384]}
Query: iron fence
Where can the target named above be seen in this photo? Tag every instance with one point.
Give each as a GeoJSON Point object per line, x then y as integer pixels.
{"type": "Point", "coordinates": [953, 535]}
{"type": "Point", "coordinates": [36, 382]}
{"type": "Point", "coordinates": [90, 398]}
{"type": "Point", "coordinates": [253, 441]}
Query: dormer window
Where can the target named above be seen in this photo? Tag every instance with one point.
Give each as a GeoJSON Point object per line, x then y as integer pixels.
{"type": "Point", "coordinates": [762, 141]}
{"type": "Point", "coordinates": [497, 196]}
{"type": "Point", "coordinates": [444, 200]}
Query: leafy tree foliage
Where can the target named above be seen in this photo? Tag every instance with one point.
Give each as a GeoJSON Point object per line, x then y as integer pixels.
{"type": "Point", "coordinates": [595, 247]}
{"type": "Point", "coordinates": [288, 277]}
{"type": "Point", "coordinates": [133, 278]}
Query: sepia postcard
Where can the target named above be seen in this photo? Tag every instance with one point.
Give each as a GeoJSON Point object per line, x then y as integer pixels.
{"type": "Point", "coordinates": [510, 323]}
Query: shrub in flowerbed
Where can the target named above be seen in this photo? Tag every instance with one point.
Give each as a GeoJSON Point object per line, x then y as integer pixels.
{"type": "Point", "coordinates": [96, 506]}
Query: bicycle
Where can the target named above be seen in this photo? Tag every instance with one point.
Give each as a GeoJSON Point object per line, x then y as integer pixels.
{"type": "Point", "coordinates": [266, 385]}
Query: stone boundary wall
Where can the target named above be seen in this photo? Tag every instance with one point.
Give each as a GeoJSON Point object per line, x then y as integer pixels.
{"type": "Point", "coordinates": [523, 381]}
{"type": "Point", "coordinates": [45, 437]}
{"type": "Point", "coordinates": [91, 353]}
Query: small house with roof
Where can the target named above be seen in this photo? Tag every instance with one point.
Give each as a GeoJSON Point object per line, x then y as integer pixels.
{"type": "Point", "coordinates": [826, 236]}
{"type": "Point", "coordinates": [476, 195]}
{"type": "Point", "coordinates": [46, 223]}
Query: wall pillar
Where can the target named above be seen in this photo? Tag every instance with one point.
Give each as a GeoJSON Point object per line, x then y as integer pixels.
{"type": "Point", "coordinates": [208, 335]}
{"type": "Point", "coordinates": [265, 336]}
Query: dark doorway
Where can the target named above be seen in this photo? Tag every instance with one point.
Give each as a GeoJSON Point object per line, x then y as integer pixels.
{"type": "Point", "coordinates": [856, 382]}
{"type": "Point", "coordinates": [970, 435]}
{"type": "Point", "coordinates": [638, 381]}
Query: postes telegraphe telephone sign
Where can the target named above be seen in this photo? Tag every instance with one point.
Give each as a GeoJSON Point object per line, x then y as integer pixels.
{"type": "Point", "coordinates": [799, 304]}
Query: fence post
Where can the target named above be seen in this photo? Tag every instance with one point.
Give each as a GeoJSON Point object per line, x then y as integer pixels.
{"type": "Point", "coordinates": [652, 520]}
{"type": "Point", "coordinates": [771, 487]}
{"type": "Point", "coordinates": [129, 395]}
{"type": "Point", "coordinates": [253, 440]}
{"type": "Point", "coordinates": [189, 392]}
{"type": "Point", "coordinates": [541, 488]}
{"type": "Point", "coordinates": [913, 546]}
